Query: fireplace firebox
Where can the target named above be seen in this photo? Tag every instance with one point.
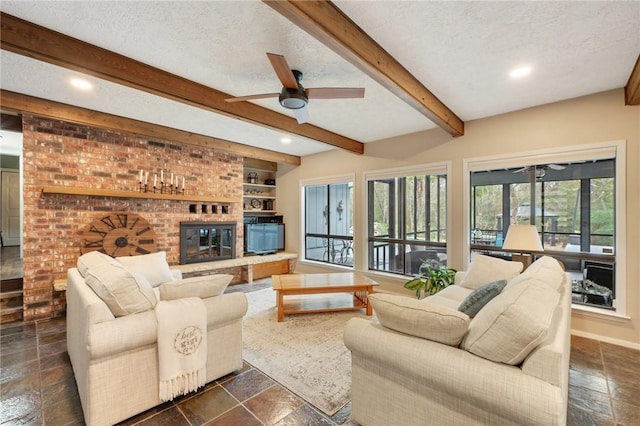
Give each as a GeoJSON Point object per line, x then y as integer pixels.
{"type": "Point", "coordinates": [207, 241]}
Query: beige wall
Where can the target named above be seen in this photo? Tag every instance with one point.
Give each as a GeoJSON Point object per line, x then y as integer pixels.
{"type": "Point", "coordinates": [592, 119]}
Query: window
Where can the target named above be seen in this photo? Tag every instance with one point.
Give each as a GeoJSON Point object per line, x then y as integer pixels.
{"type": "Point", "coordinates": [407, 219]}
{"type": "Point", "coordinates": [328, 222]}
{"type": "Point", "coordinates": [573, 205]}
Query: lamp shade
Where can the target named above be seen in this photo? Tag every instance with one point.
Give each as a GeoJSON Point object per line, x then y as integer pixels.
{"type": "Point", "coordinates": [522, 238]}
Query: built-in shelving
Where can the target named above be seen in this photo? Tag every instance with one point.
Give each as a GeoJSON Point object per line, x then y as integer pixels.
{"type": "Point", "coordinates": [93, 192]}
{"type": "Point", "coordinates": [258, 196]}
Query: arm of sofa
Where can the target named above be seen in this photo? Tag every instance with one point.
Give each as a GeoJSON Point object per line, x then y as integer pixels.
{"type": "Point", "coordinates": [225, 308]}
{"type": "Point", "coordinates": [440, 372]}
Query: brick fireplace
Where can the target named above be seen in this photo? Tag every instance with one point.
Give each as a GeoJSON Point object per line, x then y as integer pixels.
{"type": "Point", "coordinates": [65, 154]}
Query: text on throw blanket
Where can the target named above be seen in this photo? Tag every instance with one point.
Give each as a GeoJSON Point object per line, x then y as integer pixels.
{"type": "Point", "coordinates": [188, 340]}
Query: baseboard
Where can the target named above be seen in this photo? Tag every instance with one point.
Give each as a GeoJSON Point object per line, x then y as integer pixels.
{"type": "Point", "coordinates": [606, 339]}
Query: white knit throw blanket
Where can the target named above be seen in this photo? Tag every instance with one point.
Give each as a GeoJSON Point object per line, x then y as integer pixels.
{"type": "Point", "coordinates": [182, 346]}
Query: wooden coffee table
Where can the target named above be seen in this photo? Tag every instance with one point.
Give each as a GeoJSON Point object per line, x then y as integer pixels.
{"type": "Point", "coordinates": [356, 284]}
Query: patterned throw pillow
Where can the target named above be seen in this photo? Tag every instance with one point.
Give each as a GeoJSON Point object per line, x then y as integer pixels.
{"type": "Point", "coordinates": [479, 297]}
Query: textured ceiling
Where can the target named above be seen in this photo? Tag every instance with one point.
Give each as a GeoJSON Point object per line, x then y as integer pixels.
{"type": "Point", "coordinates": [461, 51]}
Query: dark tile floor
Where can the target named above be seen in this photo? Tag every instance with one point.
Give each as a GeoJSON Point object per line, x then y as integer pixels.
{"type": "Point", "coordinates": [37, 387]}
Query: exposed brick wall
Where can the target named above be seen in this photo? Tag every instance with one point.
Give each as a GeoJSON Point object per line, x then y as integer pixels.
{"type": "Point", "coordinates": [64, 154]}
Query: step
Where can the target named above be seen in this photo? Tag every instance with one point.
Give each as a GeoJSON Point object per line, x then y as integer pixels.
{"type": "Point", "coordinates": [10, 299]}
{"type": "Point", "coordinates": [8, 315]}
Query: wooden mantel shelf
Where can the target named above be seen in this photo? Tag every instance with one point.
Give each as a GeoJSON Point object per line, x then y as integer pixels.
{"type": "Point", "coordinates": [67, 190]}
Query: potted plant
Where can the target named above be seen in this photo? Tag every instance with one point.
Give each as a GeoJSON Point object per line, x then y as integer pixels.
{"type": "Point", "coordinates": [432, 278]}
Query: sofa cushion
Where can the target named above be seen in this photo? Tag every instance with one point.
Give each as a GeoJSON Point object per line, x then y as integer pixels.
{"type": "Point", "coordinates": [545, 270]}
{"type": "Point", "coordinates": [485, 269]}
{"type": "Point", "coordinates": [202, 287]}
{"type": "Point", "coordinates": [123, 292]}
{"type": "Point", "coordinates": [479, 297]}
{"type": "Point", "coordinates": [152, 266]}
{"type": "Point", "coordinates": [512, 324]}
{"type": "Point", "coordinates": [420, 318]}
{"type": "Point", "coordinates": [87, 260]}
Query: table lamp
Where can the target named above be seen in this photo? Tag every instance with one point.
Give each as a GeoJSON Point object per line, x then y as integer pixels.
{"type": "Point", "coordinates": [523, 238]}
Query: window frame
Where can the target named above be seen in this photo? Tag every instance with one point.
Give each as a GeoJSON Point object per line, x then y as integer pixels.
{"type": "Point", "coordinates": [328, 180]}
{"type": "Point", "coordinates": [436, 168]}
{"type": "Point", "coordinates": [597, 151]}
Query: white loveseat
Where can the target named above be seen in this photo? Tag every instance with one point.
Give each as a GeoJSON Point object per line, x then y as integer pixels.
{"type": "Point", "coordinates": [431, 364]}
{"type": "Point", "coordinates": [115, 358]}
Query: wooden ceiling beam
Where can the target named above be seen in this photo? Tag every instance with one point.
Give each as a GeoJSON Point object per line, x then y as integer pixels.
{"type": "Point", "coordinates": [28, 39]}
{"type": "Point", "coordinates": [327, 23]}
{"type": "Point", "coordinates": [24, 104]}
{"type": "Point", "coordinates": [632, 89]}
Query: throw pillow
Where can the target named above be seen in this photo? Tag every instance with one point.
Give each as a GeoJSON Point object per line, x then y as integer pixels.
{"type": "Point", "coordinates": [202, 287]}
{"type": "Point", "coordinates": [479, 297]}
{"type": "Point", "coordinates": [420, 318]}
{"type": "Point", "coordinates": [152, 266]}
{"type": "Point", "coordinates": [87, 260]}
{"type": "Point", "coordinates": [513, 324]}
{"type": "Point", "coordinates": [122, 292]}
{"type": "Point", "coordinates": [485, 269]}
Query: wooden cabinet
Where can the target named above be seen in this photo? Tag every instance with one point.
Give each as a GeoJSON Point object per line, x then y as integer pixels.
{"type": "Point", "coordinates": [259, 186]}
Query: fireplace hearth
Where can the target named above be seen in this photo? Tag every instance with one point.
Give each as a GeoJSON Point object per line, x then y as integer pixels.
{"type": "Point", "coordinates": [207, 241]}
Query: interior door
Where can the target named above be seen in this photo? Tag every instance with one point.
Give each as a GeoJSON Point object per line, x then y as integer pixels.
{"type": "Point", "coordinates": [10, 209]}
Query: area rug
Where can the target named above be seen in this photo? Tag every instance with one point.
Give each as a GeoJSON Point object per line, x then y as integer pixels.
{"type": "Point", "coordinates": [305, 353]}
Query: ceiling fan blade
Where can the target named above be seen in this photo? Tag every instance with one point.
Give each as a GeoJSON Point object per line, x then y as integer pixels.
{"type": "Point", "coordinates": [557, 167]}
{"type": "Point", "coordinates": [280, 66]}
{"type": "Point", "coordinates": [302, 115]}
{"type": "Point", "coordinates": [522, 170]}
{"type": "Point", "coordinates": [335, 92]}
{"type": "Point", "coordinates": [250, 97]}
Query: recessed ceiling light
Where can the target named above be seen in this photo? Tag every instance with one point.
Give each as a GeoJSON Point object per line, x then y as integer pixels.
{"type": "Point", "coordinates": [285, 140]}
{"type": "Point", "coordinates": [520, 72]}
{"type": "Point", "coordinates": [81, 84]}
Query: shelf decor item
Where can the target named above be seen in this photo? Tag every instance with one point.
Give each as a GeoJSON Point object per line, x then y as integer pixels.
{"type": "Point", "coordinates": [252, 177]}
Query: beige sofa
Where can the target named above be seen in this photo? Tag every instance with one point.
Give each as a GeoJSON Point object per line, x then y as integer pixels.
{"type": "Point", "coordinates": [115, 359]}
{"type": "Point", "coordinates": [507, 365]}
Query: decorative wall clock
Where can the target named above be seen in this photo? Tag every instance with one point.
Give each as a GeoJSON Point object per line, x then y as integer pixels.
{"type": "Point", "coordinates": [119, 234]}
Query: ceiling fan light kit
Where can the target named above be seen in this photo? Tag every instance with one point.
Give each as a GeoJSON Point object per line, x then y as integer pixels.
{"type": "Point", "coordinates": [293, 95]}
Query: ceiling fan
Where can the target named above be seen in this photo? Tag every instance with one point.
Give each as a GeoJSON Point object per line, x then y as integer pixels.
{"type": "Point", "coordinates": [541, 170]}
{"type": "Point", "coordinates": [293, 95]}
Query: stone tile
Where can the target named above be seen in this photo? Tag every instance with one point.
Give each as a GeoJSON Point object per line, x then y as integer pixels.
{"type": "Point", "coordinates": [588, 399]}
{"type": "Point", "coordinates": [53, 348]}
{"type": "Point", "coordinates": [54, 325]}
{"type": "Point", "coordinates": [620, 356]}
{"type": "Point", "coordinates": [273, 404]}
{"type": "Point", "coordinates": [134, 420]}
{"type": "Point", "coordinates": [50, 361]}
{"type": "Point", "coordinates": [586, 355]}
{"type": "Point", "coordinates": [171, 416]}
{"type": "Point", "coordinates": [17, 327]}
{"type": "Point", "coordinates": [245, 367]}
{"type": "Point", "coordinates": [52, 338]}
{"type": "Point", "coordinates": [60, 391]}
{"type": "Point", "coordinates": [343, 415]}
{"type": "Point", "coordinates": [627, 414]}
{"type": "Point", "coordinates": [66, 412]}
{"type": "Point", "coordinates": [13, 372]}
{"type": "Point", "coordinates": [20, 356]}
{"type": "Point", "coordinates": [21, 385]}
{"type": "Point", "coordinates": [17, 341]}
{"type": "Point", "coordinates": [577, 416]}
{"type": "Point", "coordinates": [305, 415]}
{"type": "Point", "coordinates": [248, 384]}
{"type": "Point", "coordinates": [627, 390]}
{"type": "Point", "coordinates": [208, 405]}
{"type": "Point", "coordinates": [596, 381]}
{"type": "Point", "coordinates": [24, 409]}
{"type": "Point", "coordinates": [59, 373]}
{"type": "Point", "coordinates": [236, 416]}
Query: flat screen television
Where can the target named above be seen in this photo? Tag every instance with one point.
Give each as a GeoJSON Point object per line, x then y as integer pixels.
{"type": "Point", "coordinates": [263, 238]}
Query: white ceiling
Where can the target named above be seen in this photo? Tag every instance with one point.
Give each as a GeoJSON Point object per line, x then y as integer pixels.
{"type": "Point", "coordinates": [461, 51]}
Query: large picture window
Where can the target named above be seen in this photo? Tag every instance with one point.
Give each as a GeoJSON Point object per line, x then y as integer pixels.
{"type": "Point", "coordinates": [407, 220]}
{"type": "Point", "coordinates": [328, 223]}
{"type": "Point", "coordinates": [573, 206]}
